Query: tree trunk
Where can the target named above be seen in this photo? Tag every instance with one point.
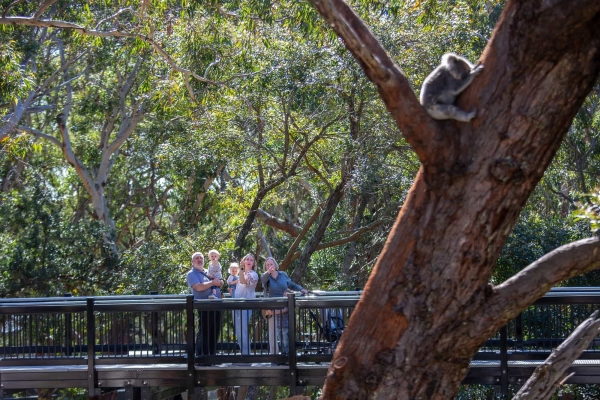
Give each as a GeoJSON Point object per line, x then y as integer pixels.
{"type": "Point", "coordinates": [351, 251]}
{"type": "Point", "coordinates": [430, 284]}
{"type": "Point", "coordinates": [311, 246]}
{"type": "Point", "coordinates": [245, 230]}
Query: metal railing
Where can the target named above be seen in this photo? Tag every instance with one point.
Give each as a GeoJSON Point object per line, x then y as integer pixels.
{"type": "Point", "coordinates": [161, 330]}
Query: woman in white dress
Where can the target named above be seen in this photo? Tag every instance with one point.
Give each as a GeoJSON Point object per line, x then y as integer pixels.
{"type": "Point", "coordinates": [245, 289]}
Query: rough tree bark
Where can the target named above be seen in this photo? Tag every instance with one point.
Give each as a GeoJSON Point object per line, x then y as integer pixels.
{"type": "Point", "coordinates": [431, 279]}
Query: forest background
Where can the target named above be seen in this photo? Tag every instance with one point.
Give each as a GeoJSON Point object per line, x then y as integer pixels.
{"type": "Point", "coordinates": [243, 126]}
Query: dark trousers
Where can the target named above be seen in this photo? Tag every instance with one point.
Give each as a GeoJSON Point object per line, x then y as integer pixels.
{"type": "Point", "coordinates": [209, 329]}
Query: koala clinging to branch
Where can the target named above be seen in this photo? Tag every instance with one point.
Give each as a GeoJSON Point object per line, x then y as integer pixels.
{"type": "Point", "coordinates": [446, 82]}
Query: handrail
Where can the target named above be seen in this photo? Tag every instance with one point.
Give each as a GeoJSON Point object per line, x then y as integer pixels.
{"type": "Point", "coordinates": [104, 330]}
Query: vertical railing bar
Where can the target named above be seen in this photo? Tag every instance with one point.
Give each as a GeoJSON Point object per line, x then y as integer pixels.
{"type": "Point", "coordinates": [189, 308]}
{"type": "Point", "coordinates": [292, 341]}
{"type": "Point", "coordinates": [68, 330]}
{"type": "Point", "coordinates": [154, 328]}
{"type": "Point", "coordinates": [56, 327]}
{"type": "Point", "coordinates": [43, 327]}
{"type": "Point", "coordinates": [557, 325]}
{"type": "Point", "coordinates": [30, 336]}
{"type": "Point", "coordinates": [503, 361]}
{"type": "Point", "coordinates": [122, 340]}
{"type": "Point", "coordinates": [91, 338]}
{"type": "Point", "coordinates": [144, 333]}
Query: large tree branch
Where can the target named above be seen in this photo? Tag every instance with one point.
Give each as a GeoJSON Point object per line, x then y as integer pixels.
{"type": "Point", "coordinates": [200, 196]}
{"type": "Point", "coordinates": [416, 125]}
{"type": "Point", "coordinates": [17, 21]}
{"type": "Point", "coordinates": [125, 130]}
{"type": "Point", "coordinates": [311, 245]}
{"type": "Point", "coordinates": [531, 283]}
{"type": "Point", "coordinates": [43, 8]}
{"type": "Point", "coordinates": [277, 223]}
{"type": "Point", "coordinates": [353, 237]}
{"type": "Point", "coordinates": [16, 116]}
{"type": "Point", "coordinates": [290, 254]}
{"type": "Point", "coordinates": [262, 240]}
{"type": "Point", "coordinates": [67, 149]}
{"type": "Point", "coordinates": [41, 135]}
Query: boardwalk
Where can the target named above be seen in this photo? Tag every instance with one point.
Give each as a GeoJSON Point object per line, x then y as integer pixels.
{"type": "Point", "coordinates": [145, 342]}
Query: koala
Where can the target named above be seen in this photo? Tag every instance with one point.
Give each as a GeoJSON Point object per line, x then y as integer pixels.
{"type": "Point", "coordinates": [446, 82]}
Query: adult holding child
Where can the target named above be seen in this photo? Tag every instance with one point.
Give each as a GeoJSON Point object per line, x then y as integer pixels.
{"type": "Point", "coordinates": [245, 289]}
{"type": "Point", "coordinates": [276, 284]}
{"type": "Point", "coordinates": [214, 271]}
{"type": "Point", "coordinates": [209, 322]}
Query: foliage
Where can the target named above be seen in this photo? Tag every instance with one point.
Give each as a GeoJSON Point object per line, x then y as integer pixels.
{"type": "Point", "coordinates": [591, 212]}
{"type": "Point", "coordinates": [43, 253]}
{"type": "Point", "coordinates": [186, 178]}
{"type": "Point", "coordinates": [532, 238]}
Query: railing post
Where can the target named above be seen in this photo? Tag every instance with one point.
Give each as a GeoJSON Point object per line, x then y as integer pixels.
{"type": "Point", "coordinates": [154, 326]}
{"type": "Point", "coordinates": [189, 309]}
{"type": "Point", "coordinates": [504, 360]}
{"type": "Point", "coordinates": [91, 342]}
{"type": "Point", "coordinates": [68, 330]}
{"type": "Point", "coordinates": [292, 338]}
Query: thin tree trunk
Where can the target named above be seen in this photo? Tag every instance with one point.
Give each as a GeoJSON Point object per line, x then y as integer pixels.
{"type": "Point", "coordinates": [351, 251]}
{"type": "Point", "coordinates": [245, 230]}
{"type": "Point", "coordinates": [311, 246]}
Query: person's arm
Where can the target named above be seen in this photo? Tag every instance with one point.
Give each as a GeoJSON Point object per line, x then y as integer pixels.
{"type": "Point", "coordinates": [229, 279]}
{"type": "Point", "coordinates": [199, 287]}
{"type": "Point", "coordinates": [242, 277]}
{"type": "Point", "coordinates": [264, 278]}
{"type": "Point", "coordinates": [294, 286]}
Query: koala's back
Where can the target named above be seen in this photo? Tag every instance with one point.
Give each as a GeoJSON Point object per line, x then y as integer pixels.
{"type": "Point", "coordinates": [438, 87]}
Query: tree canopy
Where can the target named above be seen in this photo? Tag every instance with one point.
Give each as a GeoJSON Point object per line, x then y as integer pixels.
{"type": "Point", "coordinates": [134, 133]}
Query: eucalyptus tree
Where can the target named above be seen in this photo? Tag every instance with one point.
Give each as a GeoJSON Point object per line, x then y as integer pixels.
{"type": "Point", "coordinates": [107, 66]}
{"type": "Point", "coordinates": [432, 278]}
{"type": "Point", "coordinates": [279, 119]}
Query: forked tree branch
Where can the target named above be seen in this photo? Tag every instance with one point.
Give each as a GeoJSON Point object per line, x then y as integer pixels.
{"type": "Point", "coordinates": [41, 135]}
{"type": "Point", "coordinates": [531, 283]}
{"type": "Point", "coordinates": [277, 223]}
{"type": "Point", "coordinates": [43, 8]}
{"type": "Point", "coordinates": [351, 238]}
{"type": "Point", "coordinates": [414, 123]}
{"type": "Point", "coordinates": [290, 254]}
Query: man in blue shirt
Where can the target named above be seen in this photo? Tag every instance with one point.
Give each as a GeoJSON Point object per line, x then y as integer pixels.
{"type": "Point", "coordinates": [209, 322]}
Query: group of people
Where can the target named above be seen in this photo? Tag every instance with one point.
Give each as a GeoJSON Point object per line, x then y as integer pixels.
{"type": "Point", "coordinates": [206, 283]}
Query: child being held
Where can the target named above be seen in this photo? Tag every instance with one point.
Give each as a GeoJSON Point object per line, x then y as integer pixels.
{"type": "Point", "coordinates": [233, 278]}
{"type": "Point", "coordinates": [214, 271]}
